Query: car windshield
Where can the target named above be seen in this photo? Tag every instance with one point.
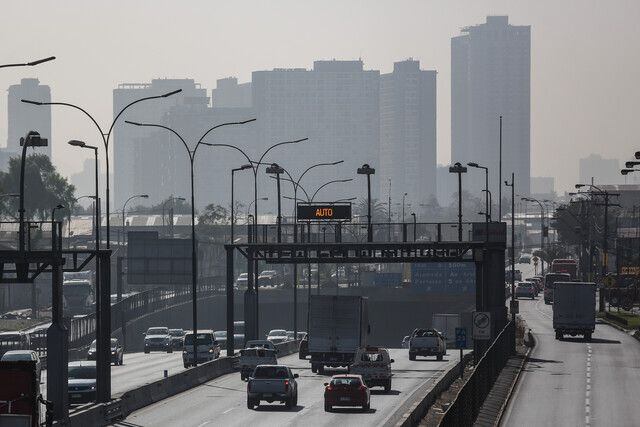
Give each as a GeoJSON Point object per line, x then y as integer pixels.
{"type": "Point", "coordinates": [220, 334]}
{"type": "Point", "coordinates": [157, 331]}
{"type": "Point", "coordinates": [278, 333]}
{"type": "Point", "coordinates": [82, 372]}
{"type": "Point", "coordinates": [243, 276]}
{"type": "Point", "coordinates": [347, 381]}
{"type": "Point", "coordinates": [176, 332]}
{"type": "Point", "coordinates": [271, 372]}
{"type": "Point", "coordinates": [203, 339]}
{"type": "Point", "coordinates": [16, 356]}
{"type": "Point", "coordinates": [525, 285]}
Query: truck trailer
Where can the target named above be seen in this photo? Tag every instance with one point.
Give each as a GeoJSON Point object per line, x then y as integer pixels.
{"type": "Point", "coordinates": [574, 309]}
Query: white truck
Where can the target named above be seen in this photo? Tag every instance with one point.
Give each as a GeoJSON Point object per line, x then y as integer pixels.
{"type": "Point", "coordinates": [338, 327]}
{"type": "Point", "coordinates": [427, 342]}
{"type": "Point", "coordinates": [252, 357]}
{"type": "Point", "coordinates": [374, 365]}
{"type": "Point", "coordinates": [446, 324]}
{"type": "Point", "coordinates": [574, 309]}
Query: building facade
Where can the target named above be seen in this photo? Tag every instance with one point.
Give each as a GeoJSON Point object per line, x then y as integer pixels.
{"type": "Point", "coordinates": [408, 131]}
{"type": "Point", "coordinates": [23, 118]}
{"type": "Point", "coordinates": [490, 77]}
{"type": "Point", "coordinates": [600, 170]}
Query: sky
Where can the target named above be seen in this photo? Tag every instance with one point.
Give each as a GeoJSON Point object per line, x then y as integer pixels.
{"type": "Point", "coordinates": [585, 96]}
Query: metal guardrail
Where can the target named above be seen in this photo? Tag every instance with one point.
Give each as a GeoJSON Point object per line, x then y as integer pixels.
{"type": "Point", "coordinates": [466, 406]}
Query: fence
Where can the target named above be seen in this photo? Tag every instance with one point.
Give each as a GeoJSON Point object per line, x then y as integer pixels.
{"type": "Point", "coordinates": [465, 408]}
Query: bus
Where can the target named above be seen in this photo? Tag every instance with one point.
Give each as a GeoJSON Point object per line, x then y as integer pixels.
{"type": "Point", "coordinates": [565, 265]}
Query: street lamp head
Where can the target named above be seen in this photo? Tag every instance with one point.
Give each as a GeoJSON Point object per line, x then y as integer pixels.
{"type": "Point", "coordinates": [247, 121]}
{"type": "Point", "coordinates": [33, 139]}
{"type": "Point", "coordinates": [40, 61]}
{"type": "Point", "coordinates": [263, 198]}
{"type": "Point", "coordinates": [246, 166]}
{"type": "Point", "coordinates": [60, 206]}
{"type": "Point", "coordinates": [133, 123]}
{"type": "Point", "coordinates": [579, 185]}
{"type": "Point", "coordinates": [27, 101]}
{"type": "Point", "coordinates": [166, 95]}
{"type": "Point", "coordinates": [637, 156]}
{"type": "Point", "coordinates": [76, 143]}
{"type": "Point", "coordinates": [457, 168]}
{"type": "Point", "coordinates": [625, 171]}
{"type": "Point", "coordinates": [631, 164]}
{"type": "Point", "coordinates": [144, 196]}
{"type": "Point", "coordinates": [472, 164]}
{"type": "Point", "coordinates": [366, 170]}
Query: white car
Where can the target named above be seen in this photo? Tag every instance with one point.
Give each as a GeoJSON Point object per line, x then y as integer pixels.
{"type": "Point", "coordinates": [277, 336]}
{"type": "Point", "coordinates": [23, 355]}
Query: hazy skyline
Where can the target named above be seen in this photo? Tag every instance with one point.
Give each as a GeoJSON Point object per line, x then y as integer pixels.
{"type": "Point", "coordinates": [585, 63]}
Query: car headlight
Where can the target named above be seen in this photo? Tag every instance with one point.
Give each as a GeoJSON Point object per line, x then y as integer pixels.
{"type": "Point", "coordinates": [92, 387]}
{"type": "Point", "coordinates": [113, 352]}
{"type": "Point", "coordinates": [210, 350]}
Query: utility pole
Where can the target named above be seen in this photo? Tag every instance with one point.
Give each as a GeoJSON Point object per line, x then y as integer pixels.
{"type": "Point", "coordinates": [459, 169]}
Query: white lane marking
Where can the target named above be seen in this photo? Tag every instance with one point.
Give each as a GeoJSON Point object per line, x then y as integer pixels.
{"type": "Point", "coordinates": [586, 402]}
{"type": "Point", "coordinates": [587, 393]}
{"type": "Point", "coordinates": [586, 420]}
{"type": "Point", "coordinates": [204, 424]}
{"type": "Point", "coordinates": [228, 410]}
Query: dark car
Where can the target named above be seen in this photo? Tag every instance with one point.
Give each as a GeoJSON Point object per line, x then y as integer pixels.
{"type": "Point", "coordinates": [82, 382]}
{"type": "Point", "coordinates": [303, 348]}
{"type": "Point", "coordinates": [117, 352]}
{"type": "Point", "coordinates": [346, 390]}
{"type": "Point", "coordinates": [176, 336]}
{"type": "Point", "coordinates": [526, 290]}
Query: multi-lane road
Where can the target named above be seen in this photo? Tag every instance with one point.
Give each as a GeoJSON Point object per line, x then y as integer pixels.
{"type": "Point", "coordinates": [574, 382]}
{"type": "Point", "coordinates": [223, 400]}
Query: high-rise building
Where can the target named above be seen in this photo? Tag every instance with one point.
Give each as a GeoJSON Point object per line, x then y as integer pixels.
{"type": "Point", "coordinates": [335, 105]}
{"type": "Point", "coordinates": [601, 170]}
{"type": "Point", "coordinates": [543, 187]}
{"type": "Point", "coordinates": [141, 163]}
{"type": "Point", "coordinates": [408, 131]}
{"type": "Point", "coordinates": [23, 118]}
{"type": "Point", "coordinates": [490, 77]}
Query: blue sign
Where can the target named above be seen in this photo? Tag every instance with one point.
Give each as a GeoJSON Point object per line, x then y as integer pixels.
{"type": "Point", "coordinates": [444, 277]}
{"type": "Point", "coordinates": [461, 337]}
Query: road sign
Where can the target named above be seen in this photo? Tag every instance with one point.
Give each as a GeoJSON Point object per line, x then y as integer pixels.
{"type": "Point", "coordinates": [324, 211]}
{"type": "Point", "coordinates": [461, 337]}
{"type": "Point", "coordinates": [481, 325]}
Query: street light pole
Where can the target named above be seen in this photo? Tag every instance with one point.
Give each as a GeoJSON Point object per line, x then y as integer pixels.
{"type": "Point", "coordinates": [172, 200]}
{"type": "Point", "coordinates": [459, 169]}
{"type": "Point", "coordinates": [542, 215]}
{"type": "Point", "coordinates": [403, 198]}
{"type": "Point", "coordinates": [124, 208]}
{"type": "Point", "coordinates": [194, 253]}
{"type": "Point", "coordinates": [82, 144]}
{"type": "Point", "coordinates": [513, 246]}
{"type": "Point", "coordinates": [368, 171]}
{"type": "Point", "coordinates": [233, 218]}
{"type": "Point", "coordinates": [105, 138]}
{"type": "Point", "coordinates": [413, 214]}
{"type": "Point", "coordinates": [277, 170]}
{"type": "Point", "coordinates": [28, 64]}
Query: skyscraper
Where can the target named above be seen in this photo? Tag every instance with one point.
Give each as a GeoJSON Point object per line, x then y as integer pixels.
{"type": "Point", "coordinates": [23, 117]}
{"type": "Point", "coordinates": [408, 131]}
{"type": "Point", "coordinates": [490, 77]}
{"type": "Point", "coordinates": [335, 105]}
{"type": "Point", "coordinates": [601, 170]}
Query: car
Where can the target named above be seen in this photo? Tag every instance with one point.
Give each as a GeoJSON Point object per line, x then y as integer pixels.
{"type": "Point", "coordinates": [374, 365]}
{"type": "Point", "coordinates": [221, 337]}
{"type": "Point", "coordinates": [405, 341]}
{"type": "Point", "coordinates": [303, 347]}
{"type": "Point", "coordinates": [525, 289]}
{"type": "Point", "coordinates": [23, 355]}
{"type": "Point", "coordinates": [346, 390]}
{"type": "Point", "coordinates": [176, 336]}
{"type": "Point", "coordinates": [261, 344]}
{"type": "Point", "coordinates": [277, 336]}
{"type": "Point", "coordinates": [82, 381]}
{"type": "Point", "coordinates": [117, 352]}
{"type": "Point", "coordinates": [537, 284]}
{"type": "Point", "coordinates": [272, 383]}
{"type": "Point", "coordinates": [242, 280]}
{"type": "Point", "coordinates": [206, 346]}
{"type": "Point", "coordinates": [157, 338]}
{"type": "Point", "coordinates": [269, 278]}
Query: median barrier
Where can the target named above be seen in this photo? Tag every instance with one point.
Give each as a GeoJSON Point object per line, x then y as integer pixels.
{"type": "Point", "coordinates": [419, 408]}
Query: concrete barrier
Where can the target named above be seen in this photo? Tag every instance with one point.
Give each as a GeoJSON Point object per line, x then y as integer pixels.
{"type": "Point", "coordinates": [288, 347]}
{"type": "Point", "coordinates": [418, 409]}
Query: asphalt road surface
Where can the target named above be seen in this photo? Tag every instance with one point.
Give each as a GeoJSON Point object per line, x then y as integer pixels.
{"type": "Point", "coordinates": [223, 400]}
{"type": "Point", "coordinates": [573, 382]}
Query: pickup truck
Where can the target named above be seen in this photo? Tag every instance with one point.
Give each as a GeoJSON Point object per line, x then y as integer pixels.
{"type": "Point", "coordinates": [374, 365]}
{"type": "Point", "coordinates": [252, 357]}
{"type": "Point", "coordinates": [426, 342]}
{"type": "Point", "coordinates": [272, 383]}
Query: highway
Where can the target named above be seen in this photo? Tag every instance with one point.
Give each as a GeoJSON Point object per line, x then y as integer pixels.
{"type": "Point", "coordinates": [573, 382]}
{"type": "Point", "coordinates": [223, 400]}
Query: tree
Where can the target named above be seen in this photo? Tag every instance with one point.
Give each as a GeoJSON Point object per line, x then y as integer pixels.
{"type": "Point", "coordinates": [44, 187]}
{"type": "Point", "coordinates": [213, 215]}
{"type": "Point", "coordinates": [379, 211]}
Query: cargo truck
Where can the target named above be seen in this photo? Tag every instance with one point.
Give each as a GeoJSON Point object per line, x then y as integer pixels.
{"type": "Point", "coordinates": [19, 394]}
{"type": "Point", "coordinates": [338, 327]}
{"type": "Point", "coordinates": [574, 309]}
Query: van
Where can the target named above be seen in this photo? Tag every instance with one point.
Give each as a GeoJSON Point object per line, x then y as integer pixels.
{"type": "Point", "coordinates": [207, 346]}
